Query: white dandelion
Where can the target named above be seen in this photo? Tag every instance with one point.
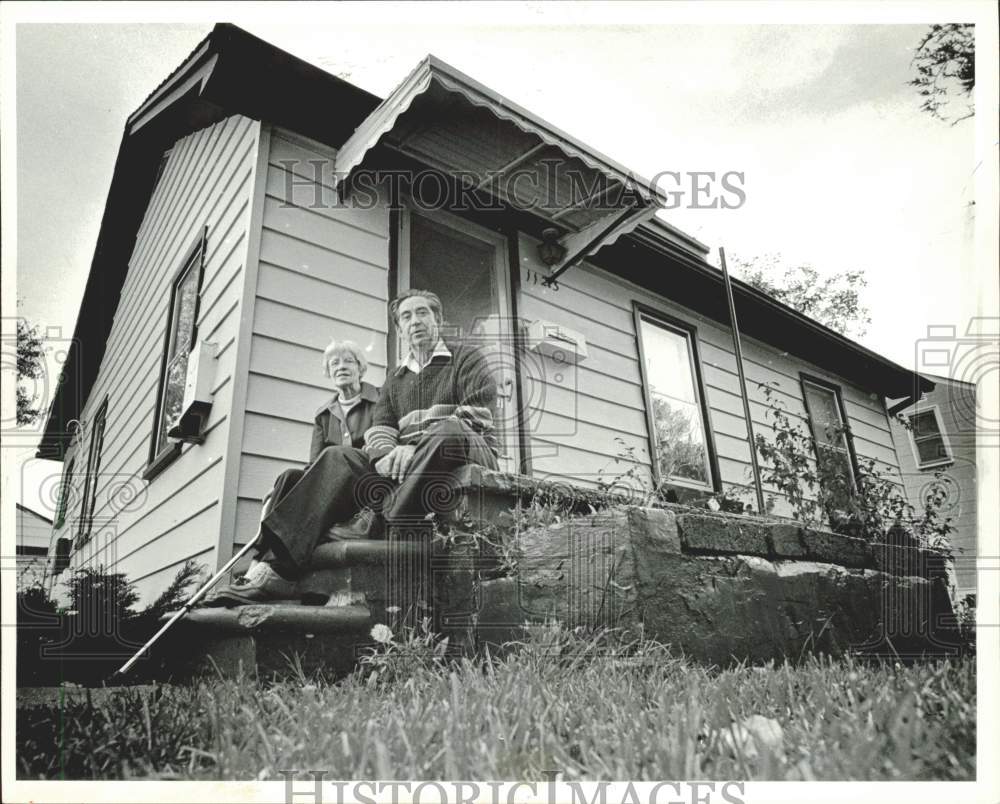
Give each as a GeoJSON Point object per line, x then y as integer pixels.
{"type": "Point", "coordinates": [381, 633]}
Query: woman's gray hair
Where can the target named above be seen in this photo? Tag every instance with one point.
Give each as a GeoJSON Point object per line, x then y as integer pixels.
{"type": "Point", "coordinates": [340, 347]}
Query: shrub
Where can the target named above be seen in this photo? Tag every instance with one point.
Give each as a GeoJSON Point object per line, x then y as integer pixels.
{"type": "Point", "coordinates": [97, 633]}
{"type": "Point", "coordinates": [814, 480]}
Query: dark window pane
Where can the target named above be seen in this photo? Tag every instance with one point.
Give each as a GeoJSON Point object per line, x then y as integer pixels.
{"type": "Point", "coordinates": [459, 268]}
{"type": "Point", "coordinates": [93, 473]}
{"type": "Point", "coordinates": [925, 424]}
{"type": "Point", "coordinates": [65, 487]}
{"type": "Point", "coordinates": [834, 470]}
{"type": "Point", "coordinates": [931, 449]}
{"type": "Point", "coordinates": [173, 396]}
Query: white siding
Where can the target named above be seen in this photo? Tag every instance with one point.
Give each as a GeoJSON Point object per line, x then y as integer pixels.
{"type": "Point", "coordinates": [323, 274]}
{"type": "Point", "coordinates": [578, 420]}
{"type": "Point", "coordinates": [33, 533]}
{"type": "Point", "coordinates": [148, 529]}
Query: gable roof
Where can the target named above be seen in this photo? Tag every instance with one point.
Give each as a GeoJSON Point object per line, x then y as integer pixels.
{"type": "Point", "coordinates": [25, 510]}
{"type": "Point", "coordinates": [233, 72]}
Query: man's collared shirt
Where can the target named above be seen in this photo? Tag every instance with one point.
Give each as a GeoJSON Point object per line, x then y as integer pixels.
{"type": "Point", "coordinates": [440, 350]}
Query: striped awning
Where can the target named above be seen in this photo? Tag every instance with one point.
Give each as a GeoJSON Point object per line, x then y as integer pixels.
{"type": "Point", "coordinates": [443, 118]}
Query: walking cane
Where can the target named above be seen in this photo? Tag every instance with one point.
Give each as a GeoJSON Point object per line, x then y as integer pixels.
{"type": "Point", "coordinates": [187, 606]}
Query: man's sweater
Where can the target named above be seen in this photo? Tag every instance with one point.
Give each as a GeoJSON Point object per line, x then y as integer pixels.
{"type": "Point", "coordinates": [459, 385]}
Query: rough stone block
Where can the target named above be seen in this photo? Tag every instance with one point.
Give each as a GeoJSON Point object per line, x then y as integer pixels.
{"type": "Point", "coordinates": [785, 541]}
{"type": "Point", "coordinates": [832, 548]}
{"type": "Point", "coordinates": [579, 571]}
{"type": "Point", "coordinates": [702, 533]}
{"type": "Point", "coordinates": [500, 618]}
{"type": "Point", "coordinates": [896, 560]}
{"type": "Point", "coordinates": [656, 528]}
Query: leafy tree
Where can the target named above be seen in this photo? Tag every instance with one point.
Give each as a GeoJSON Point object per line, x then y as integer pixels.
{"type": "Point", "coordinates": [833, 300]}
{"type": "Point", "coordinates": [29, 367]}
{"type": "Point", "coordinates": [945, 63]}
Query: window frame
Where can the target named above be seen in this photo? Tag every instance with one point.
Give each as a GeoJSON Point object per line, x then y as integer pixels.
{"type": "Point", "coordinates": [88, 502]}
{"type": "Point", "coordinates": [810, 379]}
{"type": "Point", "coordinates": [158, 461]}
{"type": "Point", "coordinates": [949, 458]}
{"type": "Point", "coordinates": [642, 312]}
{"type": "Point", "coordinates": [65, 490]}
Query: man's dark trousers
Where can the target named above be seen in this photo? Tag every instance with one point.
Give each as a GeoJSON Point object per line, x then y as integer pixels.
{"type": "Point", "coordinates": [343, 480]}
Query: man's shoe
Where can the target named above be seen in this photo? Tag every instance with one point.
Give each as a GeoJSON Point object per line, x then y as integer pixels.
{"type": "Point", "coordinates": [366, 524]}
{"type": "Point", "coordinates": [261, 584]}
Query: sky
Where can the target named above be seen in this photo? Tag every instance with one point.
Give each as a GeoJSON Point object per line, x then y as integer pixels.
{"type": "Point", "coordinates": [841, 169]}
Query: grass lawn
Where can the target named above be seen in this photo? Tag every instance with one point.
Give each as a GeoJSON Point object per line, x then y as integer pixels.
{"type": "Point", "coordinates": [557, 703]}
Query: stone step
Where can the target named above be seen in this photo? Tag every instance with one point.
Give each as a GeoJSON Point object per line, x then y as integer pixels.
{"type": "Point", "coordinates": [286, 615]}
{"type": "Point", "coordinates": [335, 555]}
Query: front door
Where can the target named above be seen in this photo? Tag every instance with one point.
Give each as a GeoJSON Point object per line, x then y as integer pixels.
{"type": "Point", "coordinates": [466, 266]}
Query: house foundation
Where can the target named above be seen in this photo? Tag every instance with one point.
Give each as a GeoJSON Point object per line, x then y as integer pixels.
{"type": "Point", "coordinates": [718, 588]}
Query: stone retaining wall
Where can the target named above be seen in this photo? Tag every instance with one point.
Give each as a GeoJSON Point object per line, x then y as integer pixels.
{"type": "Point", "coordinates": [717, 587]}
{"type": "Point", "coordinates": [723, 588]}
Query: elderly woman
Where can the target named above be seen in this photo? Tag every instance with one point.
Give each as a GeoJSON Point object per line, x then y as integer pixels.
{"type": "Point", "coordinates": [342, 421]}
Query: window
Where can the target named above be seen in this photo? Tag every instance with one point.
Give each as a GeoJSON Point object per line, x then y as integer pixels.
{"type": "Point", "coordinates": [182, 330]}
{"type": "Point", "coordinates": [834, 457]}
{"type": "Point", "coordinates": [65, 487]}
{"type": "Point", "coordinates": [93, 473]}
{"type": "Point", "coordinates": [927, 437]}
{"type": "Point", "coordinates": [675, 410]}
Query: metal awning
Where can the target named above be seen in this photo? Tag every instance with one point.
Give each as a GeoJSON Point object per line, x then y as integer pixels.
{"type": "Point", "coordinates": [450, 122]}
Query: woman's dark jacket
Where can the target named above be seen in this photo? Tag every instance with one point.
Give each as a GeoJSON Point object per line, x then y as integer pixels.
{"type": "Point", "coordinates": [330, 428]}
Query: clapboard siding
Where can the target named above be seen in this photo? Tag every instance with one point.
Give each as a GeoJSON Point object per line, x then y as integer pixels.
{"type": "Point", "coordinates": [146, 528]}
{"type": "Point", "coordinates": [323, 274]}
{"type": "Point", "coordinates": [601, 306]}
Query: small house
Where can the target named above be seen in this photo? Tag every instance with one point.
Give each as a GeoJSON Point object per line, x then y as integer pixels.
{"type": "Point", "coordinates": [31, 546]}
{"type": "Point", "coordinates": [937, 456]}
{"type": "Point", "coordinates": [261, 206]}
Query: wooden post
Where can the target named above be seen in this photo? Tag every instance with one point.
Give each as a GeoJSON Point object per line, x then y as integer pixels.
{"type": "Point", "coordinates": [743, 381]}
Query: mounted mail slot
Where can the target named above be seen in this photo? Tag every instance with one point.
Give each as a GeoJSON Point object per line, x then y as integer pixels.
{"type": "Point", "coordinates": [557, 342]}
{"type": "Point", "coordinates": [197, 394]}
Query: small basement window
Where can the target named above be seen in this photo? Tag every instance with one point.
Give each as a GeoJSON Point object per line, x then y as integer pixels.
{"type": "Point", "coordinates": [928, 439]}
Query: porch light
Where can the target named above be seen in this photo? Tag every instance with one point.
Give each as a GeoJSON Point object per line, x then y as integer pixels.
{"type": "Point", "coordinates": [550, 250]}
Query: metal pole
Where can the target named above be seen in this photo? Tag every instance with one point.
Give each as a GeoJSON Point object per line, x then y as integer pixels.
{"type": "Point", "coordinates": [187, 606]}
{"type": "Point", "coordinates": [743, 381]}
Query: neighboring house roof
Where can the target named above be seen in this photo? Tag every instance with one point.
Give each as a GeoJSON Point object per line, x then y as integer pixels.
{"type": "Point", "coordinates": [939, 380]}
{"type": "Point", "coordinates": [232, 72]}
{"type": "Point", "coordinates": [27, 510]}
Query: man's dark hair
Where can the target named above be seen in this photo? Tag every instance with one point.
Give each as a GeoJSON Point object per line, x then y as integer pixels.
{"type": "Point", "coordinates": [432, 301]}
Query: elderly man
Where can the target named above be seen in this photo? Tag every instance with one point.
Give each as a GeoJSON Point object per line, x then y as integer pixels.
{"type": "Point", "coordinates": [434, 414]}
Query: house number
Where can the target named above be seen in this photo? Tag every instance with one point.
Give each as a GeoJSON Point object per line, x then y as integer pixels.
{"type": "Point", "coordinates": [535, 278]}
